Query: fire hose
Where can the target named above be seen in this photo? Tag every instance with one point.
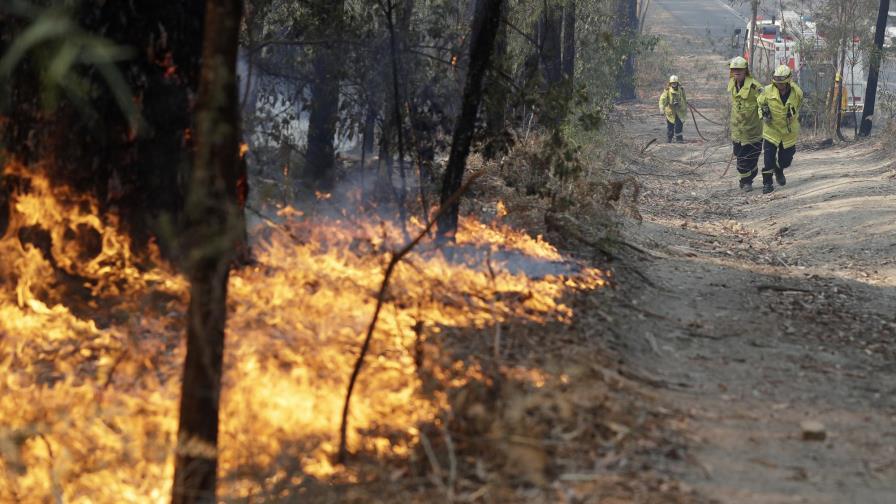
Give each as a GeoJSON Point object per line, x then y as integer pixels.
{"type": "Point", "coordinates": [694, 110]}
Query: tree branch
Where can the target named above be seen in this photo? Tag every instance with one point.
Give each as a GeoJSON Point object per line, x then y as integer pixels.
{"type": "Point", "coordinates": [380, 299]}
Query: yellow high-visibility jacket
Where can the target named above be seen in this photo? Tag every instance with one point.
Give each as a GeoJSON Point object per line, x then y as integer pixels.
{"type": "Point", "coordinates": [667, 103]}
{"type": "Point", "coordinates": [746, 127]}
{"type": "Point", "coordinates": [781, 130]}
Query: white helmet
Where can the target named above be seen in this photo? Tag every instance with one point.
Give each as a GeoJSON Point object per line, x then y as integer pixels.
{"type": "Point", "coordinates": [673, 78]}
{"type": "Point", "coordinates": [739, 62]}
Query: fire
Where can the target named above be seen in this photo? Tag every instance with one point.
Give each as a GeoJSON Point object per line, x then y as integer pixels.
{"type": "Point", "coordinates": [91, 345]}
{"type": "Point", "coordinates": [244, 149]}
{"type": "Point", "coordinates": [500, 209]}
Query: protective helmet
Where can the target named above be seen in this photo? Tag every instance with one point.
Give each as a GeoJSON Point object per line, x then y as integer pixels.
{"type": "Point", "coordinates": [738, 63]}
{"type": "Point", "coordinates": [673, 78]}
{"type": "Point", "coordinates": [783, 74]}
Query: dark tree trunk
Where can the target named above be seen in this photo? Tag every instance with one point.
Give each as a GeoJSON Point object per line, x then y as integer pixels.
{"type": "Point", "coordinates": [627, 22]}
{"type": "Point", "coordinates": [485, 30]}
{"type": "Point", "coordinates": [397, 44]}
{"type": "Point", "coordinates": [496, 97]}
{"type": "Point", "coordinates": [394, 44]}
{"type": "Point", "coordinates": [214, 223]}
{"type": "Point", "coordinates": [320, 158]}
{"type": "Point", "coordinates": [135, 172]}
{"type": "Point", "coordinates": [874, 69]}
{"type": "Point", "coordinates": [369, 130]}
{"type": "Point", "coordinates": [569, 42]}
{"type": "Point", "coordinates": [552, 44]}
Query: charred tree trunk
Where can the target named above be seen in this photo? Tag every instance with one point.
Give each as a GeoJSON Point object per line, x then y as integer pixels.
{"type": "Point", "coordinates": [397, 43]}
{"type": "Point", "coordinates": [553, 112]}
{"type": "Point", "coordinates": [627, 28]}
{"type": "Point", "coordinates": [552, 44]}
{"type": "Point", "coordinates": [214, 223]}
{"type": "Point", "coordinates": [485, 30]}
{"type": "Point", "coordinates": [569, 42]}
{"type": "Point", "coordinates": [392, 130]}
{"type": "Point", "coordinates": [320, 158]}
{"type": "Point", "coordinates": [369, 130]}
{"type": "Point", "coordinates": [496, 97]}
{"type": "Point", "coordinates": [874, 69]}
{"type": "Point", "coordinates": [136, 172]}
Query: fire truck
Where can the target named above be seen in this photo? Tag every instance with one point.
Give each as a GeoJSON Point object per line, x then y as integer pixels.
{"type": "Point", "coordinates": [793, 40]}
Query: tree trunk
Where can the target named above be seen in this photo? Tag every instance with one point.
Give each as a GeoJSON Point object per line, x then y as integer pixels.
{"type": "Point", "coordinates": [569, 41]}
{"type": "Point", "coordinates": [369, 130]}
{"type": "Point", "coordinates": [214, 222]}
{"type": "Point", "coordinates": [496, 96]}
{"type": "Point", "coordinates": [552, 44]}
{"type": "Point", "coordinates": [754, 14]}
{"type": "Point", "coordinates": [320, 158]}
{"type": "Point", "coordinates": [874, 69]}
{"type": "Point", "coordinates": [627, 22]}
{"type": "Point", "coordinates": [135, 172]}
{"type": "Point", "coordinates": [397, 43]}
{"type": "Point", "coordinates": [485, 30]}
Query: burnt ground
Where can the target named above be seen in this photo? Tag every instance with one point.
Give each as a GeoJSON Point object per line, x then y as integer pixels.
{"type": "Point", "coordinates": [751, 314]}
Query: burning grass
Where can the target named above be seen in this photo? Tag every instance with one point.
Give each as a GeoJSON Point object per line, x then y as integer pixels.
{"type": "Point", "coordinates": [91, 353]}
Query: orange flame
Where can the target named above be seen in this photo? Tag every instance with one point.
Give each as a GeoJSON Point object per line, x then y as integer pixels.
{"type": "Point", "coordinates": [91, 347]}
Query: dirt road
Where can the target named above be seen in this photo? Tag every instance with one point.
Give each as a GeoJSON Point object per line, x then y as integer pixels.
{"type": "Point", "coordinates": [762, 312]}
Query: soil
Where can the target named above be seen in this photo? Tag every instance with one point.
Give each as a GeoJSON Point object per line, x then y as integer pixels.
{"type": "Point", "coordinates": [754, 314]}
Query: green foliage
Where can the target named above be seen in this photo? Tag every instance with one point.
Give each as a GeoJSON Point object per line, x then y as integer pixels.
{"type": "Point", "coordinates": [64, 54]}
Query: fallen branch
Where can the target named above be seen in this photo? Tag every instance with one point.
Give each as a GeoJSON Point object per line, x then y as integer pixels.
{"type": "Point", "coordinates": [380, 299]}
{"type": "Point", "coordinates": [647, 146]}
{"type": "Point", "coordinates": [728, 166]}
{"type": "Point", "coordinates": [434, 463]}
{"type": "Point", "coordinates": [783, 288]}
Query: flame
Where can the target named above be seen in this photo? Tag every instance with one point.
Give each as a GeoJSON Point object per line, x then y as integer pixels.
{"type": "Point", "coordinates": [244, 149]}
{"type": "Point", "coordinates": [500, 209]}
{"type": "Point", "coordinates": [91, 346]}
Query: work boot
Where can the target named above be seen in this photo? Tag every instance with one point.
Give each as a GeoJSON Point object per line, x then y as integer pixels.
{"type": "Point", "coordinates": [746, 185]}
{"type": "Point", "coordinates": [669, 140]}
{"type": "Point", "coordinates": [779, 176]}
{"type": "Point", "coordinates": [767, 184]}
{"type": "Point", "coordinates": [679, 139]}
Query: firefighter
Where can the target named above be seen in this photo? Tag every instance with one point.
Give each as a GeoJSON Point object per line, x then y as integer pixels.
{"type": "Point", "coordinates": [674, 105]}
{"type": "Point", "coordinates": [746, 125]}
{"type": "Point", "coordinates": [779, 107]}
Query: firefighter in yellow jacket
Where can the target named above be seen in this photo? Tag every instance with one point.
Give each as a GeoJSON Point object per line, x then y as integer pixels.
{"type": "Point", "coordinates": [674, 105]}
{"type": "Point", "coordinates": [745, 124]}
{"type": "Point", "coordinates": [779, 107]}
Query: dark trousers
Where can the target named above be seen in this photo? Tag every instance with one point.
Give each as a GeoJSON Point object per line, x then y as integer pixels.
{"type": "Point", "coordinates": [775, 156]}
{"type": "Point", "coordinates": [674, 128]}
{"type": "Point", "coordinates": [747, 159]}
